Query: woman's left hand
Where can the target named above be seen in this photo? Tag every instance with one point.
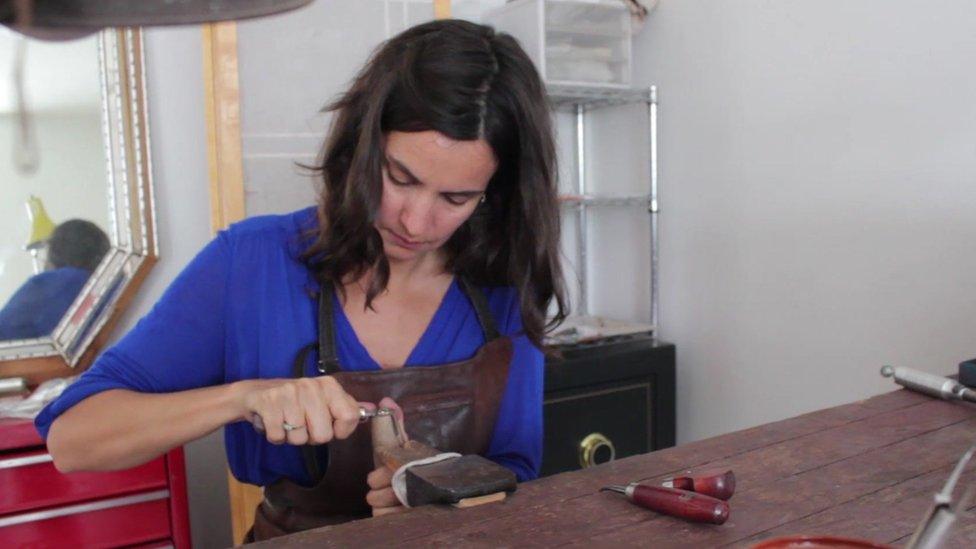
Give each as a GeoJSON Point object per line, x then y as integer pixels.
{"type": "Point", "coordinates": [381, 497]}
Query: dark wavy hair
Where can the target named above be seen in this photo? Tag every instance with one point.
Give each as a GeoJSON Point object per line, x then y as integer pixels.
{"type": "Point", "coordinates": [77, 243]}
{"type": "Point", "coordinates": [467, 82]}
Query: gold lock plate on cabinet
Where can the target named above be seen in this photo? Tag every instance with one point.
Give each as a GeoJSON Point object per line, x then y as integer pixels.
{"type": "Point", "coordinates": [590, 445]}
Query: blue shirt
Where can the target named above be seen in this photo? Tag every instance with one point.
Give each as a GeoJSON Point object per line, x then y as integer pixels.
{"type": "Point", "coordinates": [39, 304]}
{"type": "Point", "coordinates": [242, 309]}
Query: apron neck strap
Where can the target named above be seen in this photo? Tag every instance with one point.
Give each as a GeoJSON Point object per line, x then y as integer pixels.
{"type": "Point", "coordinates": [328, 362]}
{"type": "Point", "coordinates": [480, 304]}
{"type": "Point", "coordinates": [328, 358]}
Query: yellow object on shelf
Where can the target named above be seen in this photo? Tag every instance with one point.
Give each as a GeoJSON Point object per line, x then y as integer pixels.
{"type": "Point", "coordinates": [41, 224]}
{"type": "Point", "coordinates": [442, 9]}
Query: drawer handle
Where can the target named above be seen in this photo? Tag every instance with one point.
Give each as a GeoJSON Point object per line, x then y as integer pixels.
{"type": "Point", "coordinates": [591, 445]}
{"type": "Point", "coordinates": [82, 508]}
{"type": "Point", "coordinates": [14, 463]}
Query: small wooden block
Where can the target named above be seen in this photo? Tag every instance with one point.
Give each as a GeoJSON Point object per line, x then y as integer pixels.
{"type": "Point", "coordinates": [479, 500]}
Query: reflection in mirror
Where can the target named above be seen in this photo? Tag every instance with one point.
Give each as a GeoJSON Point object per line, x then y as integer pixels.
{"type": "Point", "coordinates": [53, 221]}
{"type": "Point", "coordinates": [76, 230]}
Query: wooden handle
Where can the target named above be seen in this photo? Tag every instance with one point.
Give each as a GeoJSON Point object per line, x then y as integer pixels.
{"type": "Point", "coordinates": [395, 456]}
{"type": "Point", "coordinates": [384, 433]}
{"type": "Point", "coordinates": [682, 504]}
{"type": "Point", "coordinates": [719, 485]}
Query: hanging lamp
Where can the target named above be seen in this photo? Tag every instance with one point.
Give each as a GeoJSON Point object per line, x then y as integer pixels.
{"type": "Point", "coordinates": [63, 18]}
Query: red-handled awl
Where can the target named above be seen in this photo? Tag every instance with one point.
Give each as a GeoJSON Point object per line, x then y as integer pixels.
{"type": "Point", "coordinates": [677, 503]}
{"type": "Point", "coordinates": [718, 484]}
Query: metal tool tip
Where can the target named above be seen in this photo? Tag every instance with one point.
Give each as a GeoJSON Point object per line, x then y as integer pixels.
{"type": "Point", "coordinates": [620, 489]}
{"type": "Point", "coordinates": [365, 414]}
{"type": "Point", "coordinates": [887, 371]}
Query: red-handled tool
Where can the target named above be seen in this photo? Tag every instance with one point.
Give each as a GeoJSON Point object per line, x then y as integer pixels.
{"type": "Point", "coordinates": [717, 484]}
{"type": "Point", "coordinates": [677, 503]}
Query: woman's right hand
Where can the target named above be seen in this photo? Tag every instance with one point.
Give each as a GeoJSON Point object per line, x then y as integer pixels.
{"type": "Point", "coordinates": [318, 404]}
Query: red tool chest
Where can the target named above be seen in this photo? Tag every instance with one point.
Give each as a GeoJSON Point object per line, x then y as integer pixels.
{"type": "Point", "coordinates": [41, 507]}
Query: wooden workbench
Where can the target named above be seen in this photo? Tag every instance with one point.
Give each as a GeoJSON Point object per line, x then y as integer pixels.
{"type": "Point", "coordinates": [867, 469]}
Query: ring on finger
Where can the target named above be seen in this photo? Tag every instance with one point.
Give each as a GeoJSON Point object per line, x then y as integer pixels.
{"type": "Point", "coordinates": [289, 427]}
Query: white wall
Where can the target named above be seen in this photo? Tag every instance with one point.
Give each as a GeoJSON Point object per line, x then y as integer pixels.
{"type": "Point", "coordinates": [72, 64]}
{"type": "Point", "coordinates": [179, 154]}
{"type": "Point", "coordinates": [817, 173]}
{"type": "Point", "coordinates": [291, 66]}
{"type": "Point", "coordinates": [70, 180]}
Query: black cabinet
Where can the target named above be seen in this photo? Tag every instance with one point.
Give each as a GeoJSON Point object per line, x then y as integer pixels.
{"type": "Point", "coordinates": [613, 398]}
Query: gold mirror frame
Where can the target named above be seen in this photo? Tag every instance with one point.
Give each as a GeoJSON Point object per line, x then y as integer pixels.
{"type": "Point", "coordinates": [83, 331]}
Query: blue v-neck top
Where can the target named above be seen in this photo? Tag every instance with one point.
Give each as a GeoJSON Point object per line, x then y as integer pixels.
{"type": "Point", "coordinates": [243, 308]}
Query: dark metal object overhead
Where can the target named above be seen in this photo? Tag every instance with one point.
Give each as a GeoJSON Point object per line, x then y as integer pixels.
{"type": "Point", "coordinates": [93, 15]}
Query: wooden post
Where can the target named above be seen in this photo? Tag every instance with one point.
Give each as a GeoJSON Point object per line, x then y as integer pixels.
{"type": "Point", "coordinates": [442, 9]}
{"type": "Point", "coordinates": [223, 98]}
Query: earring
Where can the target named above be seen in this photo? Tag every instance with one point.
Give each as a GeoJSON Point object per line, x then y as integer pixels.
{"type": "Point", "coordinates": [484, 197]}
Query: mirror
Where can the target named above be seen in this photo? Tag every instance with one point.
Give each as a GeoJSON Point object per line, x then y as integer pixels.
{"type": "Point", "coordinates": [76, 233]}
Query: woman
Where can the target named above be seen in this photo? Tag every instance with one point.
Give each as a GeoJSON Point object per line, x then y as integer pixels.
{"type": "Point", "coordinates": [435, 244]}
{"type": "Point", "coordinates": [74, 250]}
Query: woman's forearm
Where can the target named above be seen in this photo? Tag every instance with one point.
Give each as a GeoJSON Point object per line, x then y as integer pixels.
{"type": "Point", "coordinates": [118, 429]}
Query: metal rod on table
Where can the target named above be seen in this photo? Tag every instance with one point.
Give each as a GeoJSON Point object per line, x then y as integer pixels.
{"type": "Point", "coordinates": [12, 385]}
{"type": "Point", "coordinates": [581, 220]}
{"type": "Point", "coordinates": [942, 514]}
{"type": "Point", "coordinates": [653, 208]}
{"type": "Point", "coordinates": [929, 384]}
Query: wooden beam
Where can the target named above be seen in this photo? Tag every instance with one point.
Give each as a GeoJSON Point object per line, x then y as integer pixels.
{"type": "Point", "coordinates": [442, 9]}
{"type": "Point", "coordinates": [223, 98]}
{"type": "Point", "coordinates": [223, 106]}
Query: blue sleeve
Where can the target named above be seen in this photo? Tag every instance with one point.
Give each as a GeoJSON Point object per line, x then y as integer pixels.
{"type": "Point", "coordinates": [39, 304]}
{"type": "Point", "coordinates": [179, 345]}
{"type": "Point", "coordinates": [517, 440]}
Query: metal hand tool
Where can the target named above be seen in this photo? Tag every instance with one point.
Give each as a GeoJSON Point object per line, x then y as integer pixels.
{"type": "Point", "coordinates": [929, 384]}
{"type": "Point", "coordinates": [931, 533]}
{"type": "Point", "coordinates": [364, 416]}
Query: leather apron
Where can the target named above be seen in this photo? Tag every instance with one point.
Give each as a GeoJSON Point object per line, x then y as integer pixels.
{"type": "Point", "coordinates": [452, 407]}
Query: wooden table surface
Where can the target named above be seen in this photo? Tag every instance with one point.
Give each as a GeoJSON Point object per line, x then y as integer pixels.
{"type": "Point", "coordinates": [867, 469]}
